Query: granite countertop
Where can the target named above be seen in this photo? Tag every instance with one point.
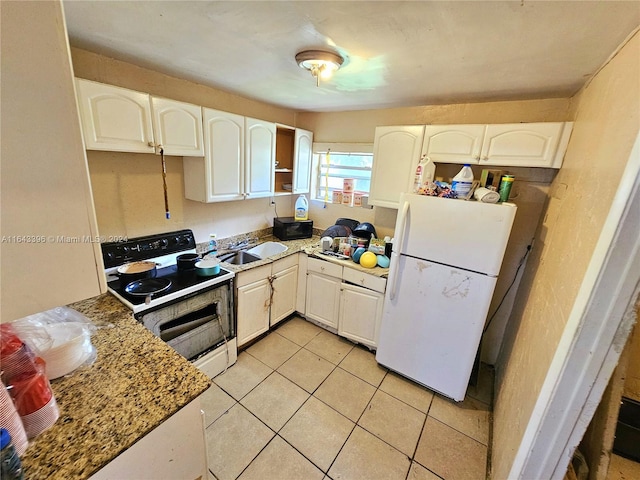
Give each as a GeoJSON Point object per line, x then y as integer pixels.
{"type": "Point", "coordinates": [310, 246]}
{"type": "Point", "coordinates": [136, 383]}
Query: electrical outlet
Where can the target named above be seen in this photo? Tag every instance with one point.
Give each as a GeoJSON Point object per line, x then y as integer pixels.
{"type": "Point", "coordinates": [273, 202]}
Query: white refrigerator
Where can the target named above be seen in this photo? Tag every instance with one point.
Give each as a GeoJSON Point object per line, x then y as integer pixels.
{"type": "Point", "coordinates": [444, 267]}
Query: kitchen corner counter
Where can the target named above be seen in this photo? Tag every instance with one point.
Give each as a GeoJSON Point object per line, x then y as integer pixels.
{"type": "Point", "coordinates": [310, 246]}
{"type": "Point", "coordinates": [316, 252]}
{"type": "Point", "coordinates": [135, 384]}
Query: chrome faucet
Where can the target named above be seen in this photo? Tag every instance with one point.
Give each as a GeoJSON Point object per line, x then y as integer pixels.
{"type": "Point", "coordinates": [240, 244]}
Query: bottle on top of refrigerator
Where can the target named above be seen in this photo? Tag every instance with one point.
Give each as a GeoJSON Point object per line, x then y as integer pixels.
{"type": "Point", "coordinates": [302, 208]}
{"type": "Point", "coordinates": [462, 181]}
{"type": "Point", "coordinates": [425, 172]}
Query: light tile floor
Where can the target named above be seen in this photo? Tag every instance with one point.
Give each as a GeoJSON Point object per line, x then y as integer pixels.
{"type": "Point", "coordinates": [303, 403]}
{"type": "Point", "coordinates": [621, 468]}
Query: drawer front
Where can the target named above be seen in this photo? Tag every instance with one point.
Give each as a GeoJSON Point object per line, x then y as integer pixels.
{"type": "Point", "coordinates": [253, 275]}
{"type": "Point", "coordinates": [365, 280]}
{"type": "Point", "coordinates": [284, 263]}
{"type": "Point", "coordinates": [326, 268]}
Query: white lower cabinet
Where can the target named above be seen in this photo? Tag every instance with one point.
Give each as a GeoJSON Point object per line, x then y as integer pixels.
{"type": "Point", "coordinates": [252, 303]}
{"type": "Point", "coordinates": [174, 449]}
{"type": "Point", "coordinates": [360, 314]}
{"type": "Point", "coordinates": [324, 280]}
{"type": "Point", "coordinates": [284, 285]}
{"type": "Point", "coordinates": [265, 295]}
{"type": "Point", "coordinates": [345, 299]}
{"type": "Point", "coordinates": [323, 298]}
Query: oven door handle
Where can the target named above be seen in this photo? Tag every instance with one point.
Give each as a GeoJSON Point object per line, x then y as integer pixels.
{"type": "Point", "coordinates": [173, 332]}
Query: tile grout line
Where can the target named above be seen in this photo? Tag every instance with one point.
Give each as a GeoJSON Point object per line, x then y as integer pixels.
{"type": "Point", "coordinates": [356, 423]}
{"type": "Point", "coordinates": [276, 433]}
{"type": "Point", "coordinates": [422, 431]}
{"type": "Point", "coordinates": [460, 431]}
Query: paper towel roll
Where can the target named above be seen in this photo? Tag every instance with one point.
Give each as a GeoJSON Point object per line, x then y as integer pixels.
{"type": "Point", "coordinates": [485, 195]}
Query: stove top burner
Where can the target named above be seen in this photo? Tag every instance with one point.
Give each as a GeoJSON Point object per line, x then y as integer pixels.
{"type": "Point", "coordinates": [163, 249]}
{"type": "Point", "coordinates": [178, 280]}
{"type": "Point", "coordinates": [148, 286]}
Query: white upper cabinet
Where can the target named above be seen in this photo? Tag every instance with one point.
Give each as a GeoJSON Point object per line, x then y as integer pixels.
{"type": "Point", "coordinates": [239, 159]}
{"type": "Point", "coordinates": [260, 157]}
{"type": "Point", "coordinates": [453, 143]}
{"type": "Point", "coordinates": [114, 119]}
{"type": "Point", "coordinates": [177, 127]}
{"type": "Point", "coordinates": [302, 161]}
{"type": "Point", "coordinates": [122, 120]}
{"type": "Point", "coordinates": [396, 153]}
{"type": "Point", "coordinates": [511, 144]}
{"type": "Point", "coordinates": [219, 177]}
{"type": "Point", "coordinates": [526, 144]}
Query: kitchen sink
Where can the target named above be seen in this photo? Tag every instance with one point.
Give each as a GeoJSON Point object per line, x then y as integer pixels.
{"type": "Point", "coordinates": [267, 249]}
{"type": "Point", "coordinates": [239, 258]}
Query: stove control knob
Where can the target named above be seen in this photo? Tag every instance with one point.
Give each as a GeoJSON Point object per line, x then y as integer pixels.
{"type": "Point", "coordinates": [182, 240]}
{"type": "Point", "coordinates": [164, 243]}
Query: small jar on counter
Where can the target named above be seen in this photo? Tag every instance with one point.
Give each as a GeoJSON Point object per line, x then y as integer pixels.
{"type": "Point", "coordinates": [10, 467]}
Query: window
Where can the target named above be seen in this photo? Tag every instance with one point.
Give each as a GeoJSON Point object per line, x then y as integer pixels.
{"type": "Point", "coordinates": [345, 161]}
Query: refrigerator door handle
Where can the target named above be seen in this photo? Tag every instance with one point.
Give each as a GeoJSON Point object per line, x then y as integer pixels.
{"type": "Point", "coordinates": [395, 256]}
{"type": "Point", "coordinates": [393, 276]}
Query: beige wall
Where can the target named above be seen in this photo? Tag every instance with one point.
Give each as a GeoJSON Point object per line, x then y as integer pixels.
{"type": "Point", "coordinates": [632, 381]}
{"type": "Point", "coordinates": [606, 125]}
{"type": "Point", "coordinates": [45, 184]}
{"type": "Point", "coordinates": [127, 187]}
{"type": "Point", "coordinates": [359, 126]}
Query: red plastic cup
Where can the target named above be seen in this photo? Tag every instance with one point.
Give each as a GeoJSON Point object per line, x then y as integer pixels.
{"type": "Point", "coordinates": [30, 392]}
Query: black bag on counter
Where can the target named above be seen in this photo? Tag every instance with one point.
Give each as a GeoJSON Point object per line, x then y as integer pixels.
{"type": "Point", "coordinates": [336, 231]}
{"type": "Point", "coordinates": [348, 222]}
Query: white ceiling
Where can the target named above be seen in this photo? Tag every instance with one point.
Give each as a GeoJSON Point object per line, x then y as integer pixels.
{"type": "Point", "coordinates": [397, 53]}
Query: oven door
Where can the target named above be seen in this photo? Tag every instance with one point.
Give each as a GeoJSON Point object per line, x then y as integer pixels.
{"type": "Point", "coordinates": [194, 325]}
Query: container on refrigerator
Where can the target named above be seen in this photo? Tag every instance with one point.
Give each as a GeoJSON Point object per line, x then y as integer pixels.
{"type": "Point", "coordinates": [445, 263]}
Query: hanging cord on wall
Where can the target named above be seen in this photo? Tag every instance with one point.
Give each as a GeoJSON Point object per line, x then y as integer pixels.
{"type": "Point", "coordinates": [164, 184]}
{"type": "Point", "coordinates": [508, 289]}
{"type": "Point", "coordinates": [226, 344]}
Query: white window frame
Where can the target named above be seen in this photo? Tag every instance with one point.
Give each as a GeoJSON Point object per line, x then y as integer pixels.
{"type": "Point", "coordinates": [319, 151]}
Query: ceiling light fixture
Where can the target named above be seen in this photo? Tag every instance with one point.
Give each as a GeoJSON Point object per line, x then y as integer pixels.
{"type": "Point", "coordinates": [319, 62]}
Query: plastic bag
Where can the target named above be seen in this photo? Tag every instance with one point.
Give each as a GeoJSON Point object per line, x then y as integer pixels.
{"type": "Point", "coordinates": [60, 336]}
